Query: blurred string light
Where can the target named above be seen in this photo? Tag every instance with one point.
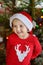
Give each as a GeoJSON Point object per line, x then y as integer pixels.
{"type": "Point", "coordinates": [0, 5]}
{"type": "Point", "coordinates": [40, 24]}
{"type": "Point", "coordinates": [37, 26]}
{"type": "Point", "coordinates": [41, 16]}
{"type": "Point", "coordinates": [7, 37]}
{"type": "Point", "coordinates": [42, 10]}
{"type": "Point", "coordinates": [40, 21]}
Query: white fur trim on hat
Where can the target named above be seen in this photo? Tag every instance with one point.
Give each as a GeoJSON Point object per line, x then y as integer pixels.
{"type": "Point", "coordinates": [23, 18]}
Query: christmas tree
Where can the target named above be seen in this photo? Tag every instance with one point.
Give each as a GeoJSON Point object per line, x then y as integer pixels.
{"type": "Point", "coordinates": [14, 6]}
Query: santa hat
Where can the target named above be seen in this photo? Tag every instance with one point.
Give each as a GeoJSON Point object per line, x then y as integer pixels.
{"type": "Point", "coordinates": [24, 17]}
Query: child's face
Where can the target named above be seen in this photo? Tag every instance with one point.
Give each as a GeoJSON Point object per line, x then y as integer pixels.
{"type": "Point", "coordinates": [19, 28]}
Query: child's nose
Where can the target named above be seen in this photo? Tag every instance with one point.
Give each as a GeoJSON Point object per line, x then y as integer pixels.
{"type": "Point", "coordinates": [18, 28]}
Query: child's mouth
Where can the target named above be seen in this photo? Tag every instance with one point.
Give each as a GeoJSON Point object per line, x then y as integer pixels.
{"type": "Point", "coordinates": [20, 32]}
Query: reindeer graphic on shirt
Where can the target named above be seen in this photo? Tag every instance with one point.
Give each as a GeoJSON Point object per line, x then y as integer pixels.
{"type": "Point", "coordinates": [21, 56]}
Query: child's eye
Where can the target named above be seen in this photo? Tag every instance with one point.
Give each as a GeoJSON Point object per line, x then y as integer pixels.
{"type": "Point", "coordinates": [14, 26]}
{"type": "Point", "coordinates": [21, 26]}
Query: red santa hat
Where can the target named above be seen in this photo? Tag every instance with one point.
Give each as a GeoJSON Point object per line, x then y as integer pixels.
{"type": "Point", "coordinates": [24, 17]}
